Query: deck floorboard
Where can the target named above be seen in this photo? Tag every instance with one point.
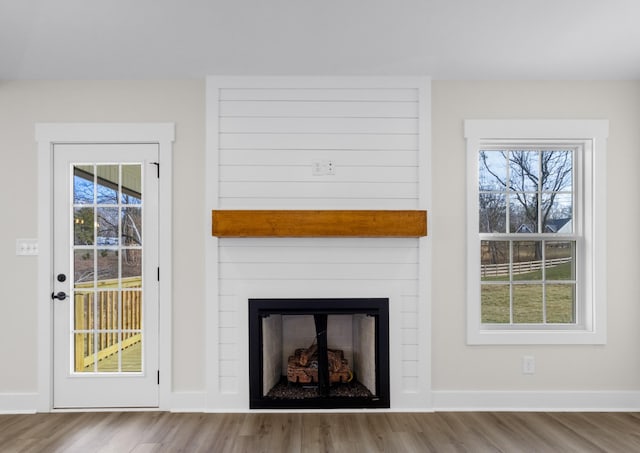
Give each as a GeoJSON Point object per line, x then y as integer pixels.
{"type": "Point", "coordinates": [131, 360]}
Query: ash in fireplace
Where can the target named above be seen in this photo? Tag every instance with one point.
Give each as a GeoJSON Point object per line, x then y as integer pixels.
{"type": "Point", "coordinates": [287, 390]}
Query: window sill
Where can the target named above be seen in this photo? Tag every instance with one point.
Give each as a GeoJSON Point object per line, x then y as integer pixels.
{"type": "Point", "coordinates": [534, 337]}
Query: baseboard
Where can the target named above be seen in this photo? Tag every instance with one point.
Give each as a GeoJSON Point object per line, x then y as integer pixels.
{"type": "Point", "coordinates": [27, 403]}
{"type": "Point", "coordinates": [188, 402]}
{"type": "Point", "coordinates": [443, 400]}
{"type": "Point", "coordinates": [570, 401]}
{"type": "Point", "coordinates": [18, 403]}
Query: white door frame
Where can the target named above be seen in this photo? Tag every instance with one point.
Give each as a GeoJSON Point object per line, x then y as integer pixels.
{"type": "Point", "coordinates": [48, 134]}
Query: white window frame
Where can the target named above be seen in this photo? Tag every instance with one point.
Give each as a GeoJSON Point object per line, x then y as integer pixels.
{"type": "Point", "coordinates": [590, 229]}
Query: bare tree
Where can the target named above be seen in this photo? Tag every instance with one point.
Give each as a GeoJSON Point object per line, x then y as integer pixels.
{"type": "Point", "coordinates": [108, 217]}
{"type": "Point", "coordinates": [531, 188]}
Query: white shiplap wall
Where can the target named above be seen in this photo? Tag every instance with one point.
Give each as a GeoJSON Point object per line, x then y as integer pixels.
{"type": "Point", "coordinates": [263, 136]}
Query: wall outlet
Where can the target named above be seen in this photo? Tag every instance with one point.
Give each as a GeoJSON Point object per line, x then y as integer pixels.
{"type": "Point", "coordinates": [331, 168]}
{"type": "Point", "coordinates": [26, 247]}
{"type": "Point", "coordinates": [322, 168]}
{"type": "Point", "coordinates": [528, 364]}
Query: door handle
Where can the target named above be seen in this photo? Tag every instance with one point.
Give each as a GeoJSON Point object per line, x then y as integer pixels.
{"type": "Point", "coordinates": [61, 295]}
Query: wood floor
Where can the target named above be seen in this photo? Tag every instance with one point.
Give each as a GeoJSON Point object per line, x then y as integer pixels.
{"type": "Point", "coordinates": [320, 432]}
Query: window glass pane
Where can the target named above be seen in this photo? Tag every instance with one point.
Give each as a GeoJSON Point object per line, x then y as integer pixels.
{"type": "Point", "coordinates": [527, 303]}
{"type": "Point", "coordinates": [132, 354]}
{"type": "Point", "coordinates": [84, 357]}
{"type": "Point", "coordinates": [83, 185]}
{"type": "Point", "coordinates": [494, 260]}
{"type": "Point", "coordinates": [107, 266]}
{"type": "Point", "coordinates": [493, 213]}
{"type": "Point", "coordinates": [495, 304]}
{"type": "Point", "coordinates": [108, 309]}
{"type": "Point", "coordinates": [83, 226]}
{"type": "Point", "coordinates": [108, 179]}
{"type": "Point", "coordinates": [131, 263]}
{"type": "Point", "coordinates": [492, 168]}
{"type": "Point", "coordinates": [83, 310]}
{"type": "Point", "coordinates": [131, 312]}
{"type": "Point", "coordinates": [131, 184]}
{"type": "Point", "coordinates": [131, 225]}
{"type": "Point", "coordinates": [527, 260]}
{"type": "Point", "coordinates": [83, 268]}
{"type": "Point", "coordinates": [561, 303]}
{"type": "Point", "coordinates": [557, 171]}
{"type": "Point", "coordinates": [108, 341]}
{"type": "Point", "coordinates": [560, 260]}
{"type": "Point", "coordinates": [557, 212]}
{"type": "Point", "coordinates": [523, 212]}
{"type": "Point", "coordinates": [107, 226]}
{"type": "Point", "coordinates": [524, 170]}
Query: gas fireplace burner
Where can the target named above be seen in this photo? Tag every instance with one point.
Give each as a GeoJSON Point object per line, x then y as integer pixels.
{"type": "Point", "coordinates": [319, 353]}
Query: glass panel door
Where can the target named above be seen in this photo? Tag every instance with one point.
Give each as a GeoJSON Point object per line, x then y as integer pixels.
{"type": "Point", "coordinates": [106, 282]}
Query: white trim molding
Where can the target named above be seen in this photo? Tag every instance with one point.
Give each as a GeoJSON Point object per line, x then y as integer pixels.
{"type": "Point", "coordinates": [188, 402]}
{"type": "Point", "coordinates": [538, 401]}
{"type": "Point", "coordinates": [48, 134]}
{"type": "Point", "coordinates": [18, 403]}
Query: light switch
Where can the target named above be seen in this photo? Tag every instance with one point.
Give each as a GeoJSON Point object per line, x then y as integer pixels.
{"type": "Point", "coordinates": [318, 168]}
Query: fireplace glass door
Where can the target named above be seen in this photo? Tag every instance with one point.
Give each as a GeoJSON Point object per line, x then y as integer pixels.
{"type": "Point", "coordinates": [318, 353]}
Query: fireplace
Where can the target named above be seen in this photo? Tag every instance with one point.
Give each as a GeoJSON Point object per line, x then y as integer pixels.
{"type": "Point", "coordinates": [319, 353]}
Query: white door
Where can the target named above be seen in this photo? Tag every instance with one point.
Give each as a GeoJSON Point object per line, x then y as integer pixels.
{"type": "Point", "coordinates": [105, 281]}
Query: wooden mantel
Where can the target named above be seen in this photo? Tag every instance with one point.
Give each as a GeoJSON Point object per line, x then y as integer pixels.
{"type": "Point", "coordinates": [319, 223]}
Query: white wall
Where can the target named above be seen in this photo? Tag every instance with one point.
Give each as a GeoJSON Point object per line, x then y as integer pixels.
{"type": "Point", "coordinates": [22, 104]}
{"type": "Point", "coordinates": [455, 367]}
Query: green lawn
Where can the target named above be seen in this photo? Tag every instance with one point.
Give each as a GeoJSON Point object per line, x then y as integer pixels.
{"type": "Point", "coordinates": [528, 297]}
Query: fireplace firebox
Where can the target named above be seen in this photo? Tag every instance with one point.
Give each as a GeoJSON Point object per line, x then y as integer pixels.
{"type": "Point", "coordinates": [319, 353]}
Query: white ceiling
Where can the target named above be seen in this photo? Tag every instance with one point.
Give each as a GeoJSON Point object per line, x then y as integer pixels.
{"type": "Point", "coordinates": [444, 39]}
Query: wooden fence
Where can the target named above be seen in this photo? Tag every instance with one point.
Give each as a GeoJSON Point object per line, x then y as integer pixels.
{"type": "Point", "coordinates": [98, 334]}
{"type": "Point", "coordinates": [494, 270]}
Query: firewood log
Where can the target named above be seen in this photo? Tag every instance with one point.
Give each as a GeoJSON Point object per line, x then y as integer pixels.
{"type": "Point", "coordinates": [335, 361]}
{"type": "Point", "coordinates": [307, 355]}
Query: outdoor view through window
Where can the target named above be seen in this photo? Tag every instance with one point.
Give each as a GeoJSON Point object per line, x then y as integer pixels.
{"type": "Point", "coordinates": [107, 268]}
{"type": "Point", "coordinates": [527, 234]}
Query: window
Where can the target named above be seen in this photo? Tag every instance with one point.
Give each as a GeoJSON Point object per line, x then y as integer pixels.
{"type": "Point", "coordinates": [535, 248]}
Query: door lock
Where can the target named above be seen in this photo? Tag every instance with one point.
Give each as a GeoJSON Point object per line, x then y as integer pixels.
{"type": "Point", "coordinates": [60, 295]}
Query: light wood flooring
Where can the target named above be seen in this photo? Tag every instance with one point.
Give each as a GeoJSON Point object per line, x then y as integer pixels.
{"type": "Point", "coordinates": [320, 432]}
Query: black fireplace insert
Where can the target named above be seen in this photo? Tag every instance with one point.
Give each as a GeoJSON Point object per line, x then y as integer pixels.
{"type": "Point", "coordinates": [319, 353]}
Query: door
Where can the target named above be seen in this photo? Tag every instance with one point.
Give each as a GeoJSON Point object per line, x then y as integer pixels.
{"type": "Point", "coordinates": [105, 282]}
